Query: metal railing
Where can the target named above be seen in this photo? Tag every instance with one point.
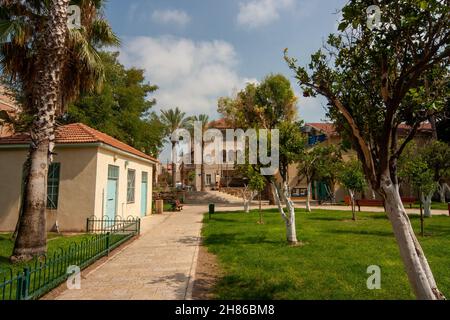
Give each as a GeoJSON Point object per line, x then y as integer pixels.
{"type": "Point", "coordinates": [46, 273]}
{"type": "Point", "coordinates": [116, 225]}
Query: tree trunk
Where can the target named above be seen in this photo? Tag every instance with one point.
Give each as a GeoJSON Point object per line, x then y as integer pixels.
{"type": "Point", "coordinates": [289, 219]}
{"type": "Point", "coordinates": [174, 165]}
{"type": "Point", "coordinates": [426, 201]}
{"type": "Point", "coordinates": [202, 171]}
{"type": "Point", "coordinates": [417, 267]}
{"type": "Point", "coordinates": [308, 196]}
{"type": "Point", "coordinates": [442, 189]}
{"type": "Point", "coordinates": [352, 201]}
{"type": "Point", "coordinates": [31, 238]}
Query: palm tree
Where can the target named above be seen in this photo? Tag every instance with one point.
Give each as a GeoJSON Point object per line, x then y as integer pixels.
{"type": "Point", "coordinates": [204, 120]}
{"type": "Point", "coordinates": [52, 65]}
{"type": "Point", "coordinates": [173, 119]}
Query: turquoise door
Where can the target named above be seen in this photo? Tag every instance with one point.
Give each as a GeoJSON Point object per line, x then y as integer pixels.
{"type": "Point", "coordinates": [111, 193]}
{"type": "Point", "coordinates": [144, 194]}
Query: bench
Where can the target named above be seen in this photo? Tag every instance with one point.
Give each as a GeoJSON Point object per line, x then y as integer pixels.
{"type": "Point", "coordinates": [409, 201]}
{"type": "Point", "coordinates": [379, 203]}
{"type": "Point", "coordinates": [369, 203]}
{"type": "Point", "coordinates": [176, 205]}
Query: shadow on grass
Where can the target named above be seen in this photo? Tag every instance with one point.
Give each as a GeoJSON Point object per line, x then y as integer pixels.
{"type": "Point", "coordinates": [252, 288]}
{"type": "Point", "coordinates": [237, 238]}
{"type": "Point", "coordinates": [364, 232]}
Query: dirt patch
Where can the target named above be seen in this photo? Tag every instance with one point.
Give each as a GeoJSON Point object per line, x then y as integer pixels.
{"type": "Point", "coordinates": [206, 275]}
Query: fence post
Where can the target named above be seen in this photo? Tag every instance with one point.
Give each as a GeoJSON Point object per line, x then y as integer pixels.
{"type": "Point", "coordinates": [23, 281]}
{"type": "Point", "coordinates": [139, 227]}
{"type": "Point", "coordinates": [87, 225]}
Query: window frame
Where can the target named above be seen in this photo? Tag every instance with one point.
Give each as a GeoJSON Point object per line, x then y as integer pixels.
{"type": "Point", "coordinates": [131, 186]}
{"type": "Point", "coordinates": [53, 186]}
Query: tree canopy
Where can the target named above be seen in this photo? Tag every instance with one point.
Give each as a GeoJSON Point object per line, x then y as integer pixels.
{"type": "Point", "coordinates": [122, 108]}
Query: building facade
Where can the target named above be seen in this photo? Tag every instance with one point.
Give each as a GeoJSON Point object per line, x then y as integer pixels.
{"type": "Point", "coordinates": [92, 174]}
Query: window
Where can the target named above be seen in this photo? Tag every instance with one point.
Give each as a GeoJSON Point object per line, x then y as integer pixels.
{"type": "Point", "coordinates": [208, 179]}
{"type": "Point", "coordinates": [53, 186]}
{"type": "Point", "coordinates": [113, 172]}
{"type": "Point", "coordinates": [144, 177]}
{"type": "Point", "coordinates": [131, 185]}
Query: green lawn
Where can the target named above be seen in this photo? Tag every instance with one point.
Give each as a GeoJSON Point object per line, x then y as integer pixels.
{"type": "Point", "coordinates": [434, 205]}
{"type": "Point", "coordinates": [55, 241]}
{"type": "Point", "coordinates": [331, 264]}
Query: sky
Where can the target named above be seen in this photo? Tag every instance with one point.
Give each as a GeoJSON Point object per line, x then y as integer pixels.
{"type": "Point", "coordinates": [197, 51]}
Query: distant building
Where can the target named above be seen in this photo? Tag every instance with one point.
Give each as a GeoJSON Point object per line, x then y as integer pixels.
{"type": "Point", "coordinates": [8, 105]}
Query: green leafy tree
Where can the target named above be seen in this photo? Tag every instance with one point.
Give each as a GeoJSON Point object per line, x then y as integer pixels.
{"type": "Point", "coordinates": [121, 109]}
{"type": "Point", "coordinates": [271, 105]}
{"type": "Point", "coordinates": [373, 81]}
{"type": "Point", "coordinates": [437, 157]}
{"type": "Point", "coordinates": [51, 64]}
{"type": "Point", "coordinates": [351, 176]}
{"type": "Point", "coordinates": [312, 164]}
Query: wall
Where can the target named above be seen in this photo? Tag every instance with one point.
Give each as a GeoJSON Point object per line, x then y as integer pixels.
{"type": "Point", "coordinates": [76, 188]}
{"type": "Point", "coordinates": [107, 157]}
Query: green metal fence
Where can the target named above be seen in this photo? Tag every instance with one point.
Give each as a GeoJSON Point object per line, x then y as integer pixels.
{"type": "Point", "coordinates": [46, 273]}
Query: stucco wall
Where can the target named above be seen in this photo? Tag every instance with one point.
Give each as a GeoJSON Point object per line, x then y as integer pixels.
{"type": "Point", "coordinates": [76, 188]}
{"type": "Point", "coordinates": [124, 209]}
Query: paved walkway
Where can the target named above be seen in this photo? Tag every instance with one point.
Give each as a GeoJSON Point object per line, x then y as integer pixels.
{"type": "Point", "coordinates": [160, 265]}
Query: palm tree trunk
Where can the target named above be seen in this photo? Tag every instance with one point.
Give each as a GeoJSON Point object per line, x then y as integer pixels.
{"type": "Point", "coordinates": [202, 171]}
{"type": "Point", "coordinates": [31, 238]}
{"type": "Point", "coordinates": [174, 165]}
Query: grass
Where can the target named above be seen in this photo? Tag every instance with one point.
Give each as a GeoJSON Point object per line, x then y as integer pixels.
{"type": "Point", "coordinates": [434, 206]}
{"type": "Point", "coordinates": [332, 262]}
{"type": "Point", "coordinates": [54, 242]}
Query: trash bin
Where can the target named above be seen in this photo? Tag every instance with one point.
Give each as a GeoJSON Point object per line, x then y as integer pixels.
{"type": "Point", "coordinates": [159, 206]}
{"type": "Point", "coordinates": [212, 209]}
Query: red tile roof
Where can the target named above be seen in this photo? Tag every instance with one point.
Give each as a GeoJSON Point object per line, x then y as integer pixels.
{"type": "Point", "coordinates": [220, 124]}
{"type": "Point", "coordinates": [78, 133]}
{"type": "Point", "coordinates": [327, 128]}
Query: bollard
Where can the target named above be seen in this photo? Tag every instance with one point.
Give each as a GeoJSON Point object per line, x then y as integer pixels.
{"type": "Point", "coordinates": [212, 209]}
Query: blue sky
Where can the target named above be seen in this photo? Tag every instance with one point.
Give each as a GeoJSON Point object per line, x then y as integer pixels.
{"type": "Point", "coordinates": [199, 50]}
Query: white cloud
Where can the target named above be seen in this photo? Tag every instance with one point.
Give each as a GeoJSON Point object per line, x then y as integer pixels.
{"type": "Point", "coordinates": [256, 13]}
{"type": "Point", "coordinates": [177, 17]}
{"type": "Point", "coordinates": [191, 75]}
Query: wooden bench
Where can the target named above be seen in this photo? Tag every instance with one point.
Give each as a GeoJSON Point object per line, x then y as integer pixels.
{"type": "Point", "coordinates": [177, 206]}
{"type": "Point", "coordinates": [369, 203]}
{"type": "Point", "coordinates": [379, 203]}
{"type": "Point", "coordinates": [409, 201]}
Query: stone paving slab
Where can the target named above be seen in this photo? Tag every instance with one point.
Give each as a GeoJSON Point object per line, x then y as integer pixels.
{"type": "Point", "coordinates": [160, 265]}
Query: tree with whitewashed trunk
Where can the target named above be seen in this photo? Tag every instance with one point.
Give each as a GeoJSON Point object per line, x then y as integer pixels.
{"type": "Point", "coordinates": [271, 105]}
{"type": "Point", "coordinates": [437, 157]}
{"type": "Point", "coordinates": [312, 163]}
{"type": "Point", "coordinates": [372, 76]}
{"type": "Point", "coordinates": [51, 64]}
{"type": "Point", "coordinates": [255, 183]}
{"type": "Point", "coordinates": [414, 169]}
{"type": "Point", "coordinates": [352, 178]}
